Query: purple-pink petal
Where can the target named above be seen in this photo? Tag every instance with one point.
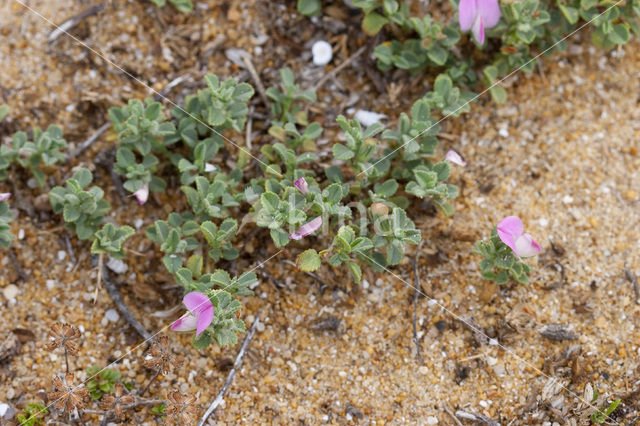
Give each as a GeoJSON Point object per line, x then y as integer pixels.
{"type": "Point", "coordinates": [526, 246]}
{"type": "Point", "coordinates": [478, 29]}
{"type": "Point", "coordinates": [142, 194]}
{"type": "Point", "coordinates": [467, 13]}
{"type": "Point", "coordinates": [302, 185]}
{"type": "Point", "coordinates": [489, 10]}
{"type": "Point", "coordinates": [204, 319]}
{"type": "Point", "coordinates": [307, 229]}
{"type": "Point", "coordinates": [5, 196]}
{"type": "Point", "coordinates": [455, 158]}
{"type": "Point", "coordinates": [509, 229]}
{"type": "Point", "coordinates": [196, 302]}
{"type": "Point", "coordinates": [187, 322]}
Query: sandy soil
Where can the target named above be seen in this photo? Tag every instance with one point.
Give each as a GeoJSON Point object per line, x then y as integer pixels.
{"type": "Point", "coordinates": [561, 154]}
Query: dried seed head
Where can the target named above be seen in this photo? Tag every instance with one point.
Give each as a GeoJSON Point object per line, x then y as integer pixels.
{"type": "Point", "coordinates": [63, 335]}
{"type": "Point", "coordinates": [117, 401]}
{"type": "Point", "coordinates": [182, 409]}
{"type": "Point", "coordinates": [65, 396]}
{"type": "Point", "coordinates": [160, 358]}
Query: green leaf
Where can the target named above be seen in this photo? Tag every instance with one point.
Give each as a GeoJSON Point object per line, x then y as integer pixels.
{"type": "Point", "coordinates": [619, 34]}
{"type": "Point", "coordinates": [341, 152]}
{"type": "Point", "coordinates": [309, 7]}
{"type": "Point", "coordinates": [309, 261]}
{"type": "Point", "coordinates": [438, 55]}
{"type": "Point", "coordinates": [570, 13]}
{"type": "Point", "coordinates": [373, 23]}
{"type": "Point", "coordinates": [270, 201]}
{"type": "Point", "coordinates": [498, 94]}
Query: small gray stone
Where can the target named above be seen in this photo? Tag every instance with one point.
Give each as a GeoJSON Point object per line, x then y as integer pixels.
{"type": "Point", "coordinates": [112, 315]}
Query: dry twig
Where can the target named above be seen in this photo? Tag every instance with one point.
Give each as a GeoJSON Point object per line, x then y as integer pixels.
{"type": "Point", "coordinates": [70, 23]}
{"type": "Point", "coordinates": [122, 307]}
{"type": "Point", "coordinates": [94, 137]}
{"type": "Point", "coordinates": [236, 366]}
{"type": "Point", "coordinates": [477, 418]}
{"type": "Point", "coordinates": [416, 280]}
{"type": "Point", "coordinates": [339, 68]}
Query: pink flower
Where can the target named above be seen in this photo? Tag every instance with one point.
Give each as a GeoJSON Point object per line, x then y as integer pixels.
{"type": "Point", "coordinates": [307, 229]}
{"type": "Point", "coordinates": [455, 158]}
{"type": "Point", "coordinates": [510, 231]}
{"type": "Point", "coordinates": [142, 194]}
{"type": "Point", "coordinates": [475, 15]}
{"type": "Point", "coordinates": [199, 315]}
{"type": "Point", "coordinates": [302, 185]}
{"type": "Point", "coordinates": [4, 196]}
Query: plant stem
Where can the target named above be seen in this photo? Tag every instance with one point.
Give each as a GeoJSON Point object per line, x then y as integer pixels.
{"type": "Point", "coordinates": [99, 283]}
{"type": "Point", "coordinates": [66, 359]}
{"type": "Point", "coordinates": [155, 376]}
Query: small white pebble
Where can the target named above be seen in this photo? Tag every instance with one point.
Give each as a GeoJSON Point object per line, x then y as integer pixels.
{"type": "Point", "coordinates": [432, 302]}
{"type": "Point", "coordinates": [365, 284]}
{"type": "Point", "coordinates": [4, 408]}
{"type": "Point", "coordinates": [112, 315]}
{"type": "Point", "coordinates": [138, 223]}
{"type": "Point", "coordinates": [117, 265]}
{"type": "Point", "coordinates": [208, 167]}
{"type": "Point", "coordinates": [567, 199]}
{"type": "Point", "coordinates": [342, 374]}
{"type": "Point", "coordinates": [423, 370]}
{"type": "Point", "coordinates": [61, 255]}
{"type": "Point", "coordinates": [260, 327]}
{"type": "Point", "coordinates": [20, 234]}
{"type": "Point", "coordinates": [81, 328]}
{"type": "Point", "coordinates": [491, 360]}
{"type": "Point", "coordinates": [431, 420]}
{"type": "Point", "coordinates": [503, 132]}
{"type": "Point", "coordinates": [483, 404]}
{"type": "Point", "coordinates": [50, 284]}
{"type": "Point", "coordinates": [10, 292]}
{"type": "Point", "coordinates": [493, 342]}
{"type": "Point", "coordinates": [322, 53]}
{"type": "Point", "coordinates": [543, 222]}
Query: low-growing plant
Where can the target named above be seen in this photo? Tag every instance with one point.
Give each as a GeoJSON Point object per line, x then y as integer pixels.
{"type": "Point", "coordinates": [33, 414]}
{"type": "Point", "coordinates": [42, 151]}
{"type": "Point", "coordinates": [102, 381]}
{"type": "Point", "coordinates": [6, 237]}
{"type": "Point", "coordinates": [184, 6]}
{"type": "Point", "coordinates": [82, 210]}
{"type": "Point", "coordinates": [602, 414]}
{"type": "Point", "coordinates": [109, 240]}
{"type": "Point", "coordinates": [503, 252]}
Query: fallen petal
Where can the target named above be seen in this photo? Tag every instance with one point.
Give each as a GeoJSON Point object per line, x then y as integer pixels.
{"type": "Point", "coordinates": [455, 158]}
{"type": "Point", "coordinates": [307, 228]}
{"type": "Point", "coordinates": [4, 196]}
{"type": "Point", "coordinates": [367, 118]}
{"type": "Point", "coordinates": [478, 30]}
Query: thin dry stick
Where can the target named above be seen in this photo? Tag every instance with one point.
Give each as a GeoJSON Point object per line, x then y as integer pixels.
{"type": "Point", "coordinates": [122, 307]}
{"type": "Point", "coordinates": [634, 281]}
{"type": "Point", "coordinates": [73, 21]}
{"type": "Point", "coordinates": [452, 415]}
{"type": "Point", "coordinates": [256, 79]}
{"type": "Point", "coordinates": [236, 366]}
{"type": "Point", "coordinates": [477, 418]}
{"type": "Point", "coordinates": [99, 283]}
{"type": "Point", "coordinates": [339, 68]}
{"type": "Point", "coordinates": [416, 279]}
{"type": "Point", "coordinates": [173, 83]}
{"type": "Point", "coordinates": [94, 137]}
{"type": "Point", "coordinates": [153, 379]}
{"type": "Point", "coordinates": [126, 407]}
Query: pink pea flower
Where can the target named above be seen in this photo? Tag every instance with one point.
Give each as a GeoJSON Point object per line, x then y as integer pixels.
{"type": "Point", "coordinates": [4, 196]}
{"type": "Point", "coordinates": [455, 158]}
{"type": "Point", "coordinates": [307, 229]}
{"type": "Point", "coordinates": [475, 15]}
{"type": "Point", "coordinates": [510, 231]}
{"type": "Point", "coordinates": [199, 315]}
{"type": "Point", "coordinates": [142, 194]}
{"type": "Point", "coordinates": [302, 185]}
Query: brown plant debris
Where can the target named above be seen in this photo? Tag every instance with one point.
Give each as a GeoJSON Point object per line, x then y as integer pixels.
{"type": "Point", "coordinates": [160, 357]}
{"type": "Point", "coordinates": [66, 396]}
{"type": "Point", "coordinates": [116, 401]}
{"type": "Point", "coordinates": [63, 335]}
{"type": "Point", "coordinates": [182, 409]}
{"type": "Point", "coordinates": [558, 332]}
